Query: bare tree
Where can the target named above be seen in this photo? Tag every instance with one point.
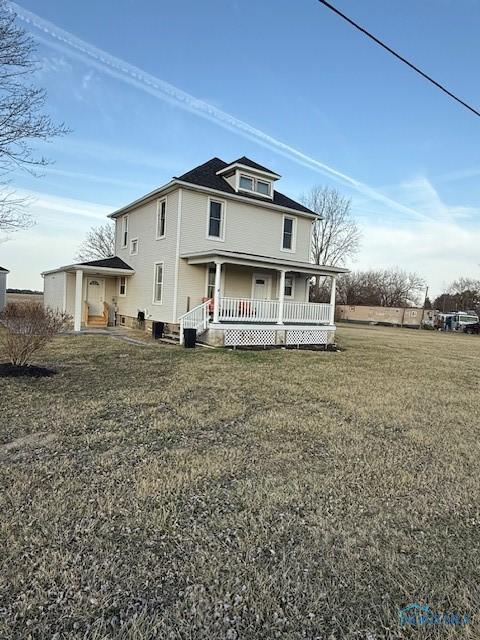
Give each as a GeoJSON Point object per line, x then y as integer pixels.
{"type": "Point", "coordinates": [99, 243]}
{"type": "Point", "coordinates": [22, 120]}
{"type": "Point", "coordinates": [386, 288]}
{"type": "Point", "coordinates": [336, 236]}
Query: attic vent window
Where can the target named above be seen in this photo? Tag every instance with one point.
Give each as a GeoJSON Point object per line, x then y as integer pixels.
{"type": "Point", "coordinates": [249, 183]}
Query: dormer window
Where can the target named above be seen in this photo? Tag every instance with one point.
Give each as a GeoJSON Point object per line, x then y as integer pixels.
{"type": "Point", "coordinates": [249, 183]}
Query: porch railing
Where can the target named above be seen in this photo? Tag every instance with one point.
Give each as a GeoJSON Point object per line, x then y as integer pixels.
{"type": "Point", "coordinates": [245, 310]}
{"type": "Point", "coordinates": [309, 312]}
{"type": "Point", "coordinates": [251, 310]}
{"type": "Point", "coordinates": [196, 318]}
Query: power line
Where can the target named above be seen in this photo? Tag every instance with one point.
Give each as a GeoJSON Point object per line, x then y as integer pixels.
{"type": "Point", "coordinates": [401, 58]}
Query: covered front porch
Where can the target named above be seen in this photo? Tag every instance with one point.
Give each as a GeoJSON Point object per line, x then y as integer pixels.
{"type": "Point", "coordinates": [277, 311]}
{"type": "Point", "coordinates": [87, 291]}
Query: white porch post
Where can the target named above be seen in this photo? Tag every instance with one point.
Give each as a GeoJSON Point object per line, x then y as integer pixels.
{"type": "Point", "coordinates": [281, 297]}
{"type": "Point", "coordinates": [332, 299]}
{"type": "Point", "coordinates": [77, 318]}
{"type": "Point", "coordinates": [216, 295]}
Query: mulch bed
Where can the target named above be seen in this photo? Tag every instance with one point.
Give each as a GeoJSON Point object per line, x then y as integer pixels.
{"type": "Point", "coordinates": [8, 370]}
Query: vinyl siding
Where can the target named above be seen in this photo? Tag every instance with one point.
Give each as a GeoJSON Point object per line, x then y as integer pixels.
{"type": "Point", "coordinates": [142, 225]}
{"type": "Point", "coordinates": [248, 229]}
{"type": "Point", "coordinates": [54, 290]}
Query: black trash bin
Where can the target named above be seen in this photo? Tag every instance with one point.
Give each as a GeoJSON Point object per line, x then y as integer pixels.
{"type": "Point", "coordinates": [157, 330]}
{"type": "Point", "coordinates": [189, 338]}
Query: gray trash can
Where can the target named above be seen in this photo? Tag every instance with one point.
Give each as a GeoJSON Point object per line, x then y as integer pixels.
{"type": "Point", "coordinates": [189, 338]}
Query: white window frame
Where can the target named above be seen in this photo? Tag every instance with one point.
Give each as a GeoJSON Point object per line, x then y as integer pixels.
{"type": "Point", "coordinates": [122, 295]}
{"type": "Point", "coordinates": [223, 220]}
{"type": "Point", "coordinates": [157, 219]}
{"type": "Point", "coordinates": [132, 252]}
{"type": "Point", "coordinates": [292, 295]}
{"type": "Point", "coordinates": [124, 232]}
{"type": "Point", "coordinates": [209, 267]}
{"type": "Point", "coordinates": [294, 234]}
{"type": "Point", "coordinates": [155, 265]}
{"type": "Point", "coordinates": [255, 180]}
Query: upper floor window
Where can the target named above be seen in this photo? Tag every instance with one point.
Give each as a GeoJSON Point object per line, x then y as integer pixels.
{"type": "Point", "coordinates": [124, 231]}
{"type": "Point", "coordinates": [161, 219]}
{"type": "Point", "coordinates": [249, 183]}
{"type": "Point", "coordinates": [133, 246]}
{"type": "Point", "coordinates": [216, 220]}
{"type": "Point", "coordinates": [288, 234]}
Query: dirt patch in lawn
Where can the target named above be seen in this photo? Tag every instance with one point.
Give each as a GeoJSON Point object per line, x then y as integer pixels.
{"type": "Point", "coordinates": [8, 370]}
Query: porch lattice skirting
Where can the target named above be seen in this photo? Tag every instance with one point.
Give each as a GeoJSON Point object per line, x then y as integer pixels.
{"type": "Point", "coordinates": [271, 336]}
{"type": "Point", "coordinates": [249, 337]}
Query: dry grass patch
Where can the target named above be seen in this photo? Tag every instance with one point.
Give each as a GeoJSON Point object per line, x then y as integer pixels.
{"type": "Point", "coordinates": [222, 495]}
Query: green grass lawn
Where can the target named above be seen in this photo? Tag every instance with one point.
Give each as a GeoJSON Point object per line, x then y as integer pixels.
{"type": "Point", "coordinates": [156, 492]}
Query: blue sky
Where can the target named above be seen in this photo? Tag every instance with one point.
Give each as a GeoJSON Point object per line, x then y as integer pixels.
{"type": "Point", "coordinates": [324, 106]}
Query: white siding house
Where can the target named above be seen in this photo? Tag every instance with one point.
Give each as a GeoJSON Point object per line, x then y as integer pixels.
{"type": "Point", "coordinates": [217, 249]}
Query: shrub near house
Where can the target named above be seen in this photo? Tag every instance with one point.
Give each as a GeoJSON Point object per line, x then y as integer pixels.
{"type": "Point", "coordinates": [29, 327]}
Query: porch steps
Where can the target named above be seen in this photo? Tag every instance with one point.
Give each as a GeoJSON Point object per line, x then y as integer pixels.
{"type": "Point", "coordinates": [96, 321]}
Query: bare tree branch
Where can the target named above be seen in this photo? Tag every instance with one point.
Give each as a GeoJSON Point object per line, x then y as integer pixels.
{"type": "Point", "coordinates": [99, 243]}
{"type": "Point", "coordinates": [336, 237]}
{"type": "Point", "coordinates": [22, 120]}
{"type": "Point", "coordinates": [385, 288]}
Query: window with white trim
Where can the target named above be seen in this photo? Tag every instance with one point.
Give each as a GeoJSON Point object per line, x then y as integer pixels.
{"type": "Point", "coordinates": [250, 183]}
{"type": "Point", "coordinates": [288, 291]}
{"type": "Point", "coordinates": [158, 283]}
{"type": "Point", "coordinates": [133, 246]}
{"type": "Point", "coordinates": [288, 233]}
{"type": "Point", "coordinates": [122, 286]}
{"type": "Point", "coordinates": [124, 231]}
{"type": "Point", "coordinates": [161, 218]}
{"type": "Point", "coordinates": [211, 282]}
{"type": "Point", "coordinates": [216, 220]}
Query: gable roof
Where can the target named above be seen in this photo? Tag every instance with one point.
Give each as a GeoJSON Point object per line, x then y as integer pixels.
{"type": "Point", "coordinates": [253, 165]}
{"type": "Point", "coordinates": [5, 270]}
{"type": "Point", "coordinates": [205, 175]}
{"type": "Point", "coordinates": [110, 263]}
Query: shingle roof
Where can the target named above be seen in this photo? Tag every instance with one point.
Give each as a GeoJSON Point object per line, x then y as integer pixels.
{"type": "Point", "coordinates": [111, 263]}
{"type": "Point", "coordinates": [3, 269]}
{"type": "Point", "coordinates": [205, 175]}
{"type": "Point", "coordinates": [250, 163]}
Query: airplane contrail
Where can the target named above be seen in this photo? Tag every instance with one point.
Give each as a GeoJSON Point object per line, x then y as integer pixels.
{"type": "Point", "coordinates": [144, 81]}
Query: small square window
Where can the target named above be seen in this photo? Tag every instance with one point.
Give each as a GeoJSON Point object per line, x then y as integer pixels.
{"type": "Point", "coordinates": [263, 187]}
{"type": "Point", "coordinates": [246, 183]}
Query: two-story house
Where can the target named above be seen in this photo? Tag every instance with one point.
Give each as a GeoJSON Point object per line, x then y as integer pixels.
{"type": "Point", "coordinates": [217, 249]}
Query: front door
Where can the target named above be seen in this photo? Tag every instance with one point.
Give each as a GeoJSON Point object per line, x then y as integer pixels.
{"type": "Point", "coordinates": [262, 285]}
{"type": "Point", "coordinates": [95, 294]}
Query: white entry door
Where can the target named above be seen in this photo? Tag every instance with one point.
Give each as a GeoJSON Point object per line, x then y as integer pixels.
{"type": "Point", "coordinates": [95, 296]}
{"type": "Point", "coordinates": [262, 285]}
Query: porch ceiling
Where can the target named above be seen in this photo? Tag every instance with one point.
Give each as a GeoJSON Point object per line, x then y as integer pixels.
{"type": "Point", "coordinates": [252, 260]}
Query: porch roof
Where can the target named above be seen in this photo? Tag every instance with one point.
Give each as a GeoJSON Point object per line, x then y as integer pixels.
{"type": "Point", "coordinates": [113, 266]}
{"type": "Point", "coordinates": [258, 261]}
